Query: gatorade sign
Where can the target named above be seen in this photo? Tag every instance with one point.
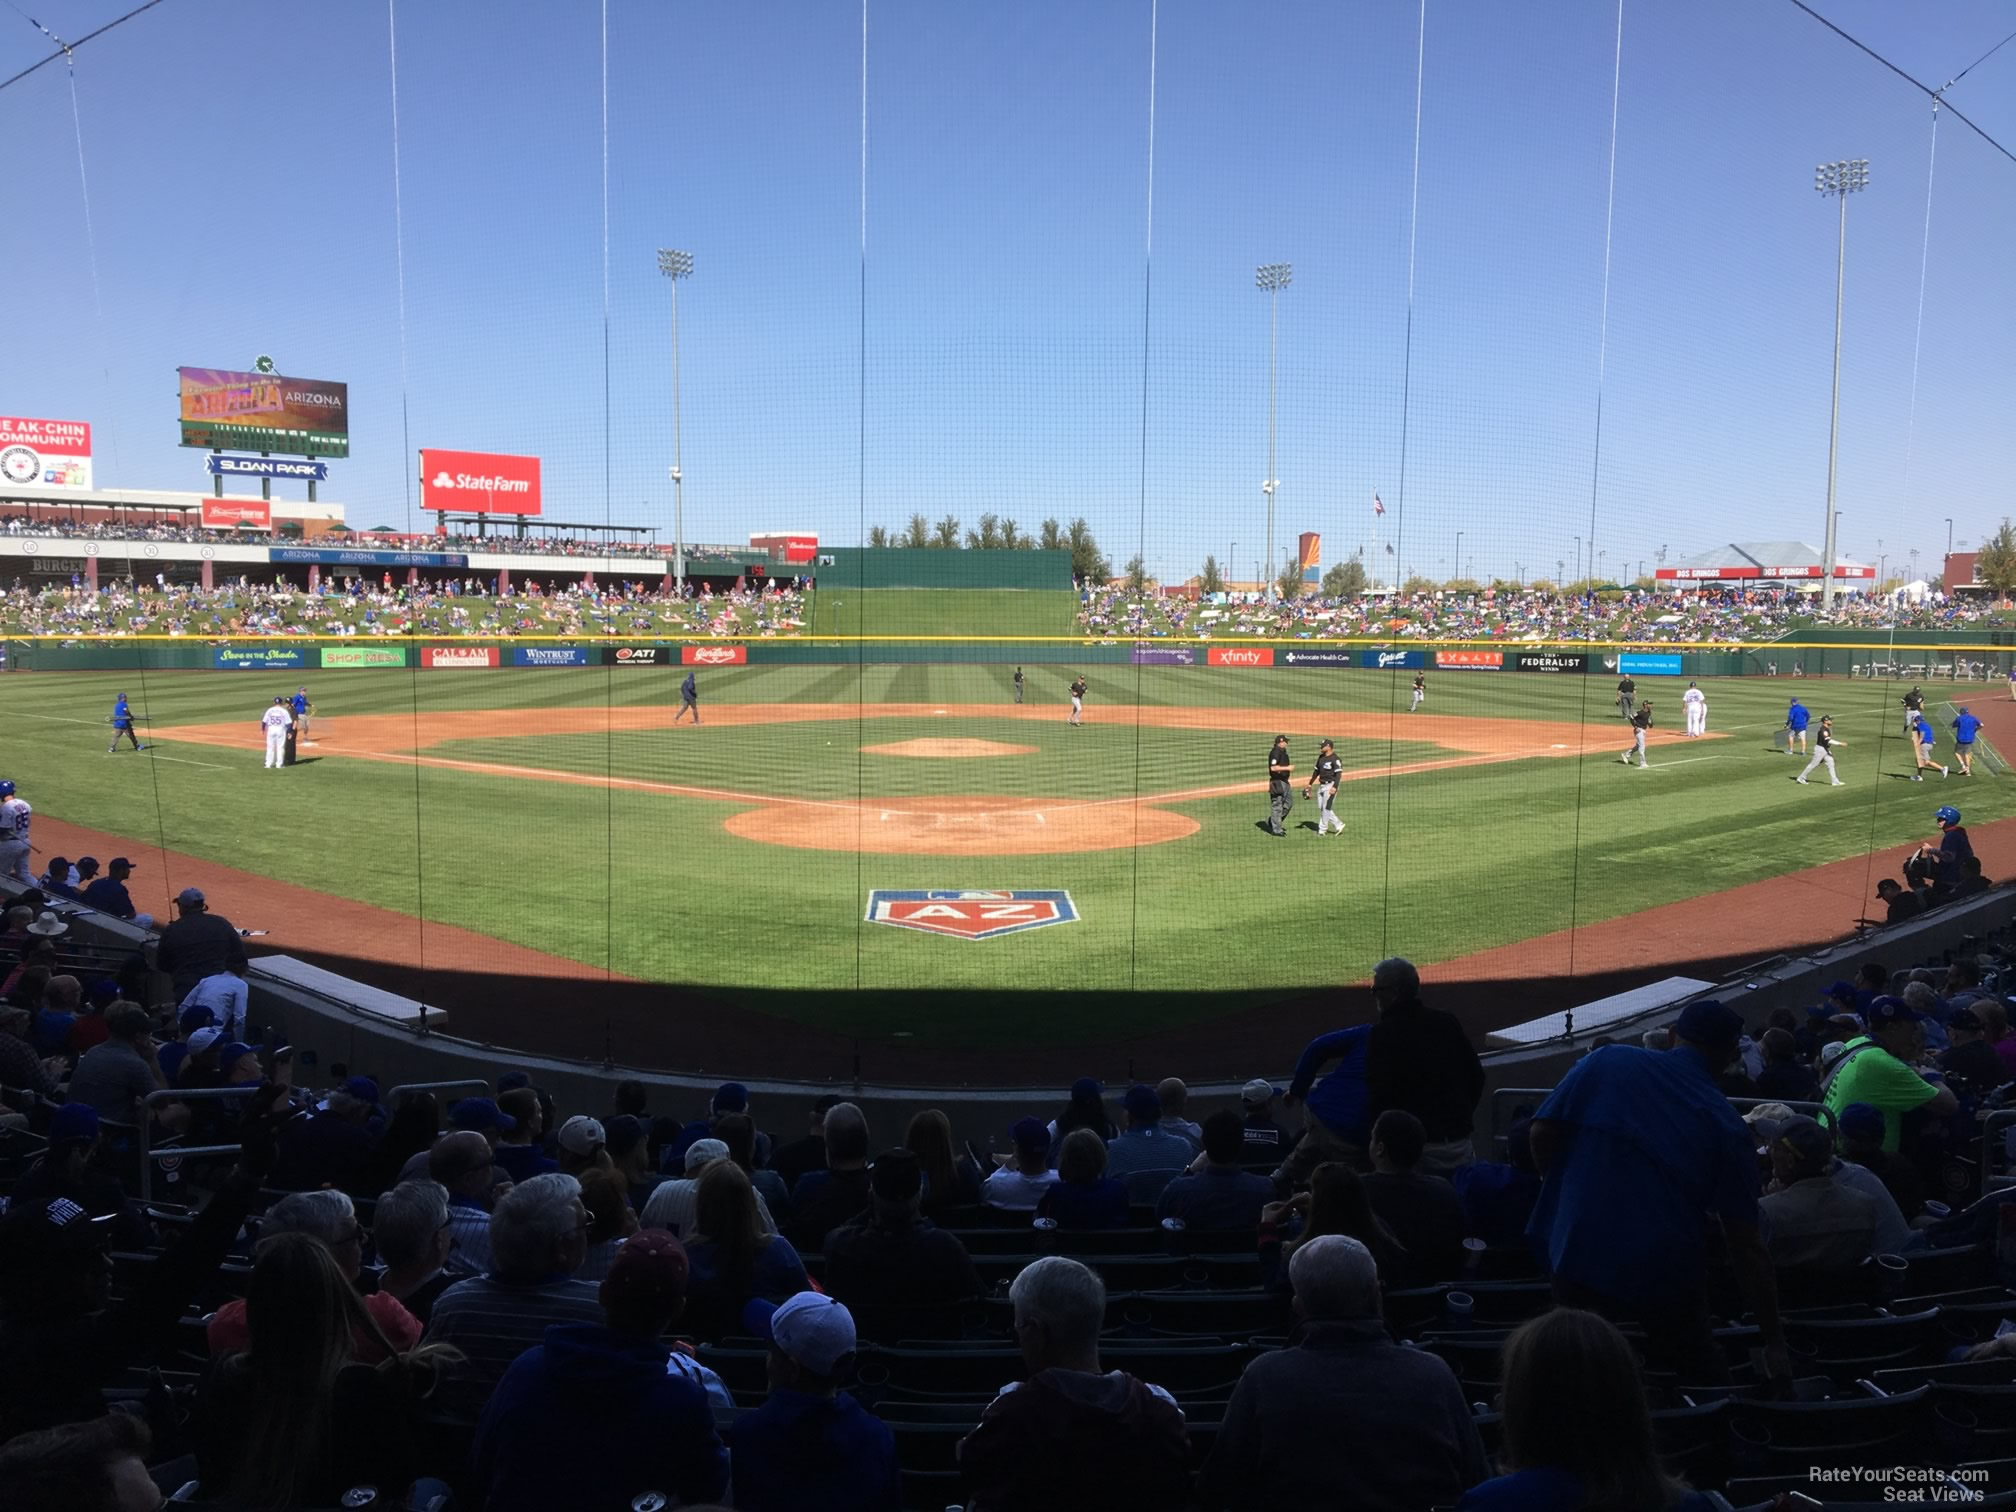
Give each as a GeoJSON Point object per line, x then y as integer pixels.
{"type": "Point", "coordinates": [479, 482]}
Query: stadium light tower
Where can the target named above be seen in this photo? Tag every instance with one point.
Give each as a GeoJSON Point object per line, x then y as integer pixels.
{"type": "Point", "coordinates": [1841, 179]}
{"type": "Point", "coordinates": [1272, 278]}
{"type": "Point", "coordinates": [675, 266]}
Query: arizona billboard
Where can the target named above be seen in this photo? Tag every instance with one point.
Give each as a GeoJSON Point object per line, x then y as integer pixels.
{"type": "Point", "coordinates": [45, 453]}
{"type": "Point", "coordinates": [264, 412]}
{"type": "Point", "coordinates": [479, 482]}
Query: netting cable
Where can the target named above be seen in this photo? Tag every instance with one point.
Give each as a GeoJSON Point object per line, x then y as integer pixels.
{"type": "Point", "coordinates": [1141, 520]}
{"type": "Point", "coordinates": [861, 531]}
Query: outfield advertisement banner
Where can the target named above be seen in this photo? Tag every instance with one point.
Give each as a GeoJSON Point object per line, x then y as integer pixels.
{"type": "Point", "coordinates": [1164, 656]}
{"type": "Point", "coordinates": [316, 556]}
{"type": "Point", "coordinates": [229, 514]}
{"type": "Point", "coordinates": [1393, 661]}
{"type": "Point", "coordinates": [1319, 658]}
{"type": "Point", "coordinates": [458, 656]}
{"type": "Point", "coordinates": [554, 656]}
{"type": "Point", "coordinates": [1548, 661]}
{"type": "Point", "coordinates": [1239, 656]}
{"type": "Point", "coordinates": [1640, 665]}
{"type": "Point", "coordinates": [638, 656]}
{"type": "Point", "coordinates": [1475, 661]}
{"type": "Point", "coordinates": [479, 482]}
{"type": "Point", "coordinates": [363, 656]}
{"type": "Point", "coordinates": [48, 453]}
{"type": "Point", "coordinates": [256, 658]}
{"type": "Point", "coordinates": [714, 656]}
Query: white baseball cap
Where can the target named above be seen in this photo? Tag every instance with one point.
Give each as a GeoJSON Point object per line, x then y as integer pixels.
{"type": "Point", "coordinates": [203, 1039]}
{"type": "Point", "coordinates": [810, 1328]}
{"type": "Point", "coordinates": [704, 1152]}
{"type": "Point", "coordinates": [581, 1136]}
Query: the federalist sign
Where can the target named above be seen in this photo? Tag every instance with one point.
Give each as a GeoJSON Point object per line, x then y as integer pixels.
{"type": "Point", "coordinates": [267, 467]}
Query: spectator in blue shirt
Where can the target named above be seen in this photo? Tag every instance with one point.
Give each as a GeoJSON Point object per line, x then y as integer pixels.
{"type": "Point", "coordinates": [1637, 1152]}
{"type": "Point", "coordinates": [108, 894]}
{"type": "Point", "coordinates": [811, 1445]}
{"type": "Point", "coordinates": [1333, 1110]}
{"type": "Point", "coordinates": [1146, 1147]}
{"type": "Point", "coordinates": [1965, 727]}
{"type": "Point", "coordinates": [1220, 1195]}
{"type": "Point", "coordinates": [1498, 1199]}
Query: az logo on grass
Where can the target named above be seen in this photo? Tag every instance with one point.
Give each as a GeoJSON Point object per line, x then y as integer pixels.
{"type": "Point", "coordinates": [969, 914]}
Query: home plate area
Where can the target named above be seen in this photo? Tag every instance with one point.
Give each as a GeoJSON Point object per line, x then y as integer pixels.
{"type": "Point", "coordinates": [976, 826]}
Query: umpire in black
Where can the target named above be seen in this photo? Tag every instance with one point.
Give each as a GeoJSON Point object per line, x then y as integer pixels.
{"type": "Point", "coordinates": [1280, 797]}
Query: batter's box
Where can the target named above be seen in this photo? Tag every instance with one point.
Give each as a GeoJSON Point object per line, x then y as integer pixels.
{"type": "Point", "coordinates": [969, 913]}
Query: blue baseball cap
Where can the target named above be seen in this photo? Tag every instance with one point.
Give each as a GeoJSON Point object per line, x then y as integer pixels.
{"type": "Point", "coordinates": [480, 1113]}
{"type": "Point", "coordinates": [511, 1081]}
{"type": "Point", "coordinates": [1142, 1102]}
{"type": "Point", "coordinates": [74, 1120]}
{"type": "Point", "coordinates": [364, 1089]}
{"type": "Point", "coordinates": [1891, 1010]}
{"type": "Point", "coordinates": [1860, 1121]}
{"type": "Point", "coordinates": [197, 1016]}
{"type": "Point", "coordinates": [731, 1097]}
{"type": "Point", "coordinates": [234, 1050]}
{"type": "Point", "coordinates": [1711, 1023]}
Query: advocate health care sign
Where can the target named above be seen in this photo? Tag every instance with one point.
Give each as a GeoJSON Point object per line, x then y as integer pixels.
{"type": "Point", "coordinates": [45, 453]}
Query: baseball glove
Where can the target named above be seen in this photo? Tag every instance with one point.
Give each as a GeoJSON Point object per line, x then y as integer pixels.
{"type": "Point", "coordinates": [1307, 793]}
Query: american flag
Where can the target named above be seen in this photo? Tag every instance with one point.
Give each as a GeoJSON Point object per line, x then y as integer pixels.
{"type": "Point", "coordinates": [1377, 507]}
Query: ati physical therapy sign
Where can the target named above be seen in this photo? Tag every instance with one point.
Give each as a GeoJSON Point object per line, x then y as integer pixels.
{"type": "Point", "coordinates": [969, 914]}
{"type": "Point", "coordinates": [479, 482]}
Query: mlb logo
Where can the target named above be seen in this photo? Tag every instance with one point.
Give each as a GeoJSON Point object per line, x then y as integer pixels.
{"type": "Point", "coordinates": [969, 913]}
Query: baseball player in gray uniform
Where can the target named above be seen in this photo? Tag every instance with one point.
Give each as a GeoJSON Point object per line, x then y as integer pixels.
{"type": "Point", "coordinates": [1323, 780]}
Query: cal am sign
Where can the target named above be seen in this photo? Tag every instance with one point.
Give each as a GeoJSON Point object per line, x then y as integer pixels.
{"type": "Point", "coordinates": [479, 482]}
{"type": "Point", "coordinates": [969, 913]}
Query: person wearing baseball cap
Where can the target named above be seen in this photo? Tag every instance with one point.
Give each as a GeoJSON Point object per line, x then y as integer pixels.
{"type": "Point", "coordinates": [197, 943]}
{"type": "Point", "coordinates": [1146, 1147]}
{"type": "Point", "coordinates": [1813, 1221]}
{"type": "Point", "coordinates": [1637, 1150]}
{"type": "Point", "coordinates": [1264, 1138]}
{"type": "Point", "coordinates": [811, 1444]}
{"type": "Point", "coordinates": [729, 1097]}
{"type": "Point", "coordinates": [70, 1168]}
{"type": "Point", "coordinates": [1860, 1128]}
{"type": "Point", "coordinates": [108, 894]}
{"type": "Point", "coordinates": [1018, 1186]}
{"type": "Point", "coordinates": [1881, 1068]}
{"type": "Point", "coordinates": [593, 1414]}
{"type": "Point", "coordinates": [581, 1140]}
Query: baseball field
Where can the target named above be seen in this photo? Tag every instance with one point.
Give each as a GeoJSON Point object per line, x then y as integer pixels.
{"type": "Point", "coordinates": [560, 815]}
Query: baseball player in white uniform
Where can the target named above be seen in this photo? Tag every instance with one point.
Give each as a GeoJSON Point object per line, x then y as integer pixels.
{"type": "Point", "coordinates": [275, 722]}
{"type": "Point", "coordinates": [14, 847]}
{"type": "Point", "coordinates": [1697, 711]}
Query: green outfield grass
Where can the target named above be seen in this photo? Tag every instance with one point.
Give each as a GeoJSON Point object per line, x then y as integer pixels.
{"type": "Point", "coordinates": [1435, 864]}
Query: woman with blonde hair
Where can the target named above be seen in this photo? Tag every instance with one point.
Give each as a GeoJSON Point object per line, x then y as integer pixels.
{"type": "Point", "coordinates": [1084, 1196]}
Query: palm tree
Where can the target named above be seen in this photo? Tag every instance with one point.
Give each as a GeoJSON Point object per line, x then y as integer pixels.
{"type": "Point", "coordinates": [945, 534]}
{"type": "Point", "coordinates": [1051, 538]}
{"type": "Point", "coordinates": [988, 536]}
{"type": "Point", "coordinates": [917, 534]}
{"type": "Point", "coordinates": [877, 536]}
{"type": "Point", "coordinates": [1012, 538]}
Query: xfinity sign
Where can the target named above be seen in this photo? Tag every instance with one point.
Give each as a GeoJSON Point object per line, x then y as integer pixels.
{"type": "Point", "coordinates": [479, 482]}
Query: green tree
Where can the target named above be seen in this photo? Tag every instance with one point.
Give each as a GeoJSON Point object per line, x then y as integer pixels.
{"type": "Point", "coordinates": [877, 536]}
{"type": "Point", "coordinates": [917, 534]}
{"type": "Point", "coordinates": [945, 534]}
{"type": "Point", "coordinates": [1995, 562]}
{"type": "Point", "coordinates": [1012, 538]}
{"type": "Point", "coordinates": [988, 536]}
{"type": "Point", "coordinates": [1137, 577]}
{"type": "Point", "coordinates": [1542, 585]}
{"type": "Point", "coordinates": [1211, 580]}
{"type": "Point", "coordinates": [1345, 580]}
{"type": "Point", "coordinates": [1051, 538]}
{"type": "Point", "coordinates": [1289, 584]}
{"type": "Point", "coordinates": [1462, 585]}
{"type": "Point", "coordinates": [1419, 584]}
{"type": "Point", "coordinates": [1087, 560]}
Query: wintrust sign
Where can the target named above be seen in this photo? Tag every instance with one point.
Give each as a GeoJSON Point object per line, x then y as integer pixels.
{"type": "Point", "coordinates": [479, 482]}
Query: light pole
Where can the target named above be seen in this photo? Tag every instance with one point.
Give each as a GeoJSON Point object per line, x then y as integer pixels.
{"type": "Point", "coordinates": [1231, 561]}
{"type": "Point", "coordinates": [1947, 565]}
{"type": "Point", "coordinates": [675, 266]}
{"type": "Point", "coordinates": [1914, 564]}
{"type": "Point", "coordinates": [1271, 278]}
{"type": "Point", "coordinates": [1602, 557]}
{"type": "Point", "coordinates": [1578, 556]}
{"type": "Point", "coordinates": [1459, 551]}
{"type": "Point", "coordinates": [1840, 180]}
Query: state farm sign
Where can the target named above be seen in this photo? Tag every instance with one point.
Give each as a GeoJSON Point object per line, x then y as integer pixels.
{"type": "Point", "coordinates": [1239, 656]}
{"type": "Point", "coordinates": [714, 656]}
{"type": "Point", "coordinates": [479, 482]}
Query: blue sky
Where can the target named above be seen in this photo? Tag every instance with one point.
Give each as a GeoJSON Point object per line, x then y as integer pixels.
{"type": "Point", "coordinates": [240, 163]}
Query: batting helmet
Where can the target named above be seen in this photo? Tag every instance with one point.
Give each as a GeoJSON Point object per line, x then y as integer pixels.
{"type": "Point", "coordinates": [1947, 815]}
{"type": "Point", "coordinates": [6, 789]}
{"type": "Point", "coordinates": [279, 700]}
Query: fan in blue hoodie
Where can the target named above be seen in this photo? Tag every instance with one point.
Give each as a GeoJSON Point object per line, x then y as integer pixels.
{"type": "Point", "coordinates": [604, 1394]}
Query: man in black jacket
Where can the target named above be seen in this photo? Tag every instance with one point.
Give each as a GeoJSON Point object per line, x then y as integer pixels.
{"type": "Point", "coordinates": [1419, 1059]}
{"type": "Point", "coordinates": [198, 944]}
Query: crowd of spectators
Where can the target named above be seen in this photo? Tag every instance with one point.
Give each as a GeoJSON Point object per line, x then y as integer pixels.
{"type": "Point", "coordinates": [501, 1302]}
{"type": "Point", "coordinates": [61, 527]}
{"type": "Point", "coordinates": [367, 607]}
{"type": "Point", "coordinates": [1541, 616]}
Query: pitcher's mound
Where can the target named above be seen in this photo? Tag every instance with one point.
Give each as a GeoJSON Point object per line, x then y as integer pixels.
{"type": "Point", "coordinates": [948, 748]}
{"type": "Point", "coordinates": [961, 826]}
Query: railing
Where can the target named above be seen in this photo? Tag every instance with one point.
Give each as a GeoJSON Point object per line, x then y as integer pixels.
{"type": "Point", "coordinates": [1991, 1123]}
{"type": "Point", "coordinates": [469, 1084]}
{"type": "Point", "coordinates": [161, 1098]}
